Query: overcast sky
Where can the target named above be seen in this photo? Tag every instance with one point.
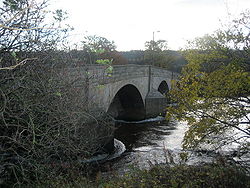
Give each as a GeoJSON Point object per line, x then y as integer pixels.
{"type": "Point", "coordinates": [129, 23]}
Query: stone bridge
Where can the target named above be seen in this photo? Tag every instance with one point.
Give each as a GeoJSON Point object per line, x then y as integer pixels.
{"type": "Point", "coordinates": [129, 92]}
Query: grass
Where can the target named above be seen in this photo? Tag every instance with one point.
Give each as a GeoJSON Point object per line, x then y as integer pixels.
{"type": "Point", "coordinates": [159, 176]}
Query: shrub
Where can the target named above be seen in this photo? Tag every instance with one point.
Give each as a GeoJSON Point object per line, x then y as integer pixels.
{"type": "Point", "coordinates": [45, 122]}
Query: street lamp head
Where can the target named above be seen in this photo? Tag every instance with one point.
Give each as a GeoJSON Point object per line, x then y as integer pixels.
{"type": "Point", "coordinates": [156, 31]}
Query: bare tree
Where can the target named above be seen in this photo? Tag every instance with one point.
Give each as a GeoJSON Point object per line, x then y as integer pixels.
{"type": "Point", "coordinates": [44, 122]}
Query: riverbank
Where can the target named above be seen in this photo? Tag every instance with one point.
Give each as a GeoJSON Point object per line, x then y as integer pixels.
{"type": "Point", "coordinates": [213, 175]}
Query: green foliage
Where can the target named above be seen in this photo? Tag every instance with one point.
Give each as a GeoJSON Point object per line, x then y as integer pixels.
{"type": "Point", "coordinates": [99, 50]}
{"type": "Point", "coordinates": [159, 45]}
{"type": "Point", "coordinates": [209, 175]}
{"type": "Point", "coordinates": [13, 4]}
{"type": "Point", "coordinates": [98, 44]}
{"type": "Point", "coordinates": [103, 61]}
{"type": "Point", "coordinates": [156, 54]}
{"type": "Point", "coordinates": [213, 91]}
{"type": "Point", "coordinates": [60, 15]}
{"type": "Point", "coordinates": [184, 176]}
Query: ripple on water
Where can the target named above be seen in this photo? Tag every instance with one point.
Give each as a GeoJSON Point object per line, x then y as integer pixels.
{"type": "Point", "coordinates": [119, 149]}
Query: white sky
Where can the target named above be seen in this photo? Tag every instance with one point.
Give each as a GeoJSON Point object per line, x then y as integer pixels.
{"type": "Point", "coordinates": [129, 23]}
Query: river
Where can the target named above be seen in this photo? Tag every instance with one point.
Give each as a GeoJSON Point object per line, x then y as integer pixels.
{"type": "Point", "coordinates": [141, 144]}
{"type": "Point", "coordinates": [145, 143]}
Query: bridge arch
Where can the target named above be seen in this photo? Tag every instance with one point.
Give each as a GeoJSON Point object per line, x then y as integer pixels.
{"type": "Point", "coordinates": [163, 88]}
{"type": "Point", "coordinates": [127, 104]}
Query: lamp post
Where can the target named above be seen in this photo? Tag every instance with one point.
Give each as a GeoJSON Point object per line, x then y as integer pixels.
{"type": "Point", "coordinates": [153, 47]}
{"type": "Point", "coordinates": [152, 64]}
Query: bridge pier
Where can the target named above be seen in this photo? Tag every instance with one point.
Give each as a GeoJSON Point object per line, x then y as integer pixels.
{"type": "Point", "coordinates": [155, 104]}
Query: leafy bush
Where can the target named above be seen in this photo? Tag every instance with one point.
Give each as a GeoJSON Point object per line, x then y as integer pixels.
{"type": "Point", "coordinates": [185, 176]}
{"type": "Point", "coordinates": [207, 175]}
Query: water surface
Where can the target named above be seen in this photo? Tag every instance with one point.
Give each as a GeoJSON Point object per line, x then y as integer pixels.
{"type": "Point", "coordinates": [146, 143]}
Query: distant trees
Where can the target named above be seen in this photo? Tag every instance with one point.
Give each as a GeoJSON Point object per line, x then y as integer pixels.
{"type": "Point", "coordinates": [97, 43]}
{"type": "Point", "coordinates": [159, 45]}
{"type": "Point", "coordinates": [101, 51]}
{"type": "Point", "coordinates": [212, 94]}
{"type": "Point", "coordinates": [157, 54]}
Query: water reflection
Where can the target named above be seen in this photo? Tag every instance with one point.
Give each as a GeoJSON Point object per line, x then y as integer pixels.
{"type": "Point", "coordinates": [149, 134]}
